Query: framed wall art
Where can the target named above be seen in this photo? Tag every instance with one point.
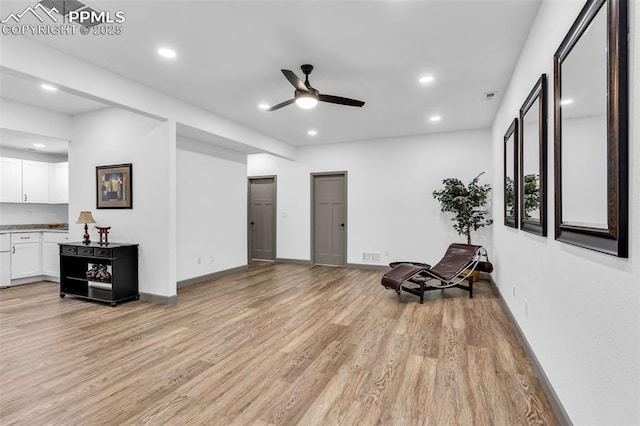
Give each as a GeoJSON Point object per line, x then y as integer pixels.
{"type": "Point", "coordinates": [591, 108]}
{"type": "Point", "coordinates": [114, 189]}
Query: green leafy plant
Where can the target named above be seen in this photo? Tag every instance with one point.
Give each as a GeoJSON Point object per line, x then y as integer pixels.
{"type": "Point", "coordinates": [466, 202]}
{"type": "Point", "coordinates": [508, 196]}
{"type": "Point", "coordinates": [531, 194]}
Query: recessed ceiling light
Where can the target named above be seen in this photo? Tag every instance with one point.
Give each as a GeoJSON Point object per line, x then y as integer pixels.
{"type": "Point", "coordinates": [167, 53]}
{"type": "Point", "coordinates": [38, 145]}
{"type": "Point", "coordinates": [312, 132]}
{"type": "Point", "coordinates": [435, 118]}
{"type": "Point", "coordinates": [425, 79]}
{"type": "Point", "coordinates": [566, 101]}
{"type": "Point", "coordinates": [49, 87]}
{"type": "Point", "coordinates": [264, 106]}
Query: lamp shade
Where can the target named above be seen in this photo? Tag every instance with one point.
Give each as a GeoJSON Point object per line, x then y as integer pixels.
{"type": "Point", "coordinates": [85, 217]}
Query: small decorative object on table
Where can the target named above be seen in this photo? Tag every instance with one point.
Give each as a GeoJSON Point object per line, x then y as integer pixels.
{"type": "Point", "coordinates": [86, 218]}
{"type": "Point", "coordinates": [104, 234]}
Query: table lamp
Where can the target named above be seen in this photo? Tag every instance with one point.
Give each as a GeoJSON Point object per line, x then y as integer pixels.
{"type": "Point", "coordinates": [86, 218]}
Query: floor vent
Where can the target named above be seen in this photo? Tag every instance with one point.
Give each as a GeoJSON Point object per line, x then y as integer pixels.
{"type": "Point", "coordinates": [371, 257]}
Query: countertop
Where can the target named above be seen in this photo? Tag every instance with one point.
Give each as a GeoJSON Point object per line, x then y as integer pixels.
{"type": "Point", "coordinates": [14, 229]}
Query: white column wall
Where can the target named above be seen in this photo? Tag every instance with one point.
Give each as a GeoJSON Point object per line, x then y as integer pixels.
{"type": "Point", "coordinates": [211, 209]}
{"type": "Point", "coordinates": [114, 136]}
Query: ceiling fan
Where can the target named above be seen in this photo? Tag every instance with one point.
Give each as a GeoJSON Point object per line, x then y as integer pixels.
{"type": "Point", "coordinates": [307, 97]}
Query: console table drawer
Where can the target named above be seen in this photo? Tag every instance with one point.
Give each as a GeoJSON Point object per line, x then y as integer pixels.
{"type": "Point", "coordinates": [85, 251]}
{"type": "Point", "coordinates": [68, 250]}
{"type": "Point", "coordinates": [102, 252]}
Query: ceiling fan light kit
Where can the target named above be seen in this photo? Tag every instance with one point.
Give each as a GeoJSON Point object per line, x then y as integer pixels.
{"type": "Point", "coordinates": [305, 100]}
{"type": "Point", "coordinates": [307, 97]}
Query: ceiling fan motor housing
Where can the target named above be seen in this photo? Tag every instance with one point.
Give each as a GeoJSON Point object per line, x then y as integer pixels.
{"type": "Point", "coordinates": [306, 69]}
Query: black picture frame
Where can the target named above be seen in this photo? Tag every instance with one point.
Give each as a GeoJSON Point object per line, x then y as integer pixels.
{"type": "Point", "coordinates": [614, 239]}
{"type": "Point", "coordinates": [538, 93]}
{"type": "Point", "coordinates": [511, 165]}
{"type": "Point", "coordinates": [114, 186]}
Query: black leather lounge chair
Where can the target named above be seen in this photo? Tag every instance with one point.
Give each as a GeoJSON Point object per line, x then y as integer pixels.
{"type": "Point", "coordinates": [457, 266]}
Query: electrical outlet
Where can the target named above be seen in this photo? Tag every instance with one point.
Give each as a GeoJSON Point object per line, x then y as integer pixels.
{"type": "Point", "coordinates": [199, 261]}
{"type": "Point", "coordinates": [514, 291]}
{"type": "Point", "coordinates": [386, 253]}
{"type": "Point", "coordinates": [526, 309]}
{"type": "Point", "coordinates": [212, 259]}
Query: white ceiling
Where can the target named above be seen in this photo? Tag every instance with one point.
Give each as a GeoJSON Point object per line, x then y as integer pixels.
{"type": "Point", "coordinates": [29, 92]}
{"type": "Point", "coordinates": [230, 54]}
{"type": "Point", "coordinates": [25, 142]}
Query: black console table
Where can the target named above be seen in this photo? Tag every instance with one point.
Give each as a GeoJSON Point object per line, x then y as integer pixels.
{"type": "Point", "coordinates": [100, 272]}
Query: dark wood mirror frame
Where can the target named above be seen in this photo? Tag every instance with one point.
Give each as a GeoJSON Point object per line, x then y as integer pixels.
{"type": "Point", "coordinates": [538, 93]}
{"type": "Point", "coordinates": [512, 165]}
{"type": "Point", "coordinates": [614, 239]}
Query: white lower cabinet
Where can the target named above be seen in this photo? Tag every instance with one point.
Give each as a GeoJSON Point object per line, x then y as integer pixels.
{"type": "Point", "coordinates": [51, 252]}
{"type": "Point", "coordinates": [50, 260]}
{"type": "Point", "coordinates": [25, 255]}
{"type": "Point", "coordinates": [34, 255]}
{"type": "Point", "coordinates": [5, 260]}
{"type": "Point", "coordinates": [5, 269]}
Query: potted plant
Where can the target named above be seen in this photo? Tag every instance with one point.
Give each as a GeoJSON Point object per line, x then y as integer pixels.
{"type": "Point", "coordinates": [467, 203]}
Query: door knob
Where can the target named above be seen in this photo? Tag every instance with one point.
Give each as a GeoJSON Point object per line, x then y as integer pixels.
{"type": "Point", "coordinates": [253, 223]}
{"type": "Point", "coordinates": [342, 224]}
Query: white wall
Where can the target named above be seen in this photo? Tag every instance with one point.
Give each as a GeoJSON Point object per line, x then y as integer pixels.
{"type": "Point", "coordinates": [114, 136]}
{"type": "Point", "coordinates": [30, 119]}
{"type": "Point", "coordinates": [583, 320]}
{"type": "Point", "coordinates": [38, 121]}
{"type": "Point", "coordinates": [212, 209]}
{"type": "Point", "coordinates": [29, 214]}
{"type": "Point", "coordinates": [390, 207]}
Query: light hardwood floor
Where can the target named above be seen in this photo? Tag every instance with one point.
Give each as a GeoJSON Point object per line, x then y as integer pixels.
{"type": "Point", "coordinates": [278, 344]}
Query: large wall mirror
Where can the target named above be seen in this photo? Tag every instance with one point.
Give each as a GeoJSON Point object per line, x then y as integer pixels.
{"type": "Point", "coordinates": [533, 160]}
{"type": "Point", "coordinates": [511, 200]}
{"type": "Point", "coordinates": [591, 113]}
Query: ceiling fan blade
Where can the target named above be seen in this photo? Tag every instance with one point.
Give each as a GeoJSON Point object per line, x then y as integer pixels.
{"type": "Point", "coordinates": [282, 104]}
{"type": "Point", "coordinates": [293, 79]}
{"type": "Point", "coordinates": [340, 100]}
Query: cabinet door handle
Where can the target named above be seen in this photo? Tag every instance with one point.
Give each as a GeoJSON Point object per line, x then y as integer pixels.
{"type": "Point", "coordinates": [14, 249]}
{"type": "Point", "coordinates": [25, 197]}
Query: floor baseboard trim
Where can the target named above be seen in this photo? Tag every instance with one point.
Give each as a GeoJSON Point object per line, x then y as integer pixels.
{"type": "Point", "coordinates": [159, 299]}
{"type": "Point", "coordinates": [554, 400]}
{"type": "Point", "coordinates": [212, 276]}
{"type": "Point", "coordinates": [294, 261]}
{"type": "Point", "coordinates": [368, 267]}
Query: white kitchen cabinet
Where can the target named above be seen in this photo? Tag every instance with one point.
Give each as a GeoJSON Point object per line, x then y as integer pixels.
{"type": "Point", "coordinates": [35, 181]}
{"type": "Point", "coordinates": [24, 181]}
{"type": "Point", "coordinates": [5, 260]}
{"type": "Point", "coordinates": [59, 183]}
{"type": "Point", "coordinates": [11, 180]}
{"type": "Point", "coordinates": [25, 255]}
{"type": "Point", "coordinates": [51, 252]}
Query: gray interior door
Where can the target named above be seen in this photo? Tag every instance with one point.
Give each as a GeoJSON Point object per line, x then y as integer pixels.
{"type": "Point", "coordinates": [329, 216]}
{"type": "Point", "coordinates": [261, 219]}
